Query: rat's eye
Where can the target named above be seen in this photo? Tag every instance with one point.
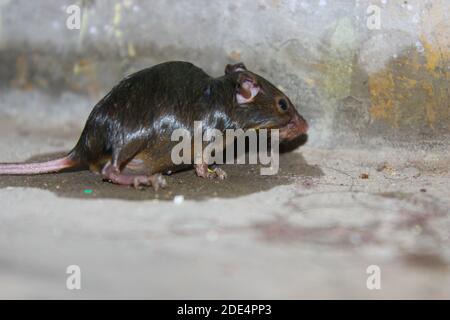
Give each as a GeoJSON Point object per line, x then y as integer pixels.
{"type": "Point", "coordinates": [283, 104]}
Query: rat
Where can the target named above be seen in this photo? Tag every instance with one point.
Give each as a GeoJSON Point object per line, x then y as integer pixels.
{"type": "Point", "coordinates": [127, 136]}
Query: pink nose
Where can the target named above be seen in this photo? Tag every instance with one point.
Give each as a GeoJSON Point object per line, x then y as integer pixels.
{"type": "Point", "coordinates": [299, 125]}
{"type": "Point", "coordinates": [295, 128]}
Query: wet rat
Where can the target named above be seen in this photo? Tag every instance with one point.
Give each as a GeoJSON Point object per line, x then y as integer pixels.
{"type": "Point", "coordinates": [127, 136]}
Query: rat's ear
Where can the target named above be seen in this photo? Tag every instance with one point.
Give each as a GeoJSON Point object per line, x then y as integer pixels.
{"type": "Point", "coordinates": [230, 68]}
{"type": "Point", "coordinates": [247, 89]}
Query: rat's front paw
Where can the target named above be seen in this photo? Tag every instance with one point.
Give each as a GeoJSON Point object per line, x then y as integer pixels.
{"type": "Point", "coordinates": [220, 173]}
{"type": "Point", "coordinates": [203, 171]}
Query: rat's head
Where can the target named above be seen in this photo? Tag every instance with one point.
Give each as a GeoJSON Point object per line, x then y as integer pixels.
{"type": "Point", "coordinates": [258, 104]}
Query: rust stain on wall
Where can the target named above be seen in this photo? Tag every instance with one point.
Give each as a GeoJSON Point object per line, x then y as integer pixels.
{"type": "Point", "coordinates": [88, 70]}
{"type": "Point", "coordinates": [413, 89]}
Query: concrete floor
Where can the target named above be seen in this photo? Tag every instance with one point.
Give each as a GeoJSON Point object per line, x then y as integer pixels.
{"type": "Point", "coordinates": [310, 232]}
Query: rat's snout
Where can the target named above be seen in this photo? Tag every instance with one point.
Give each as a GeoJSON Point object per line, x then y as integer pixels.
{"type": "Point", "coordinates": [296, 127]}
{"type": "Point", "coordinates": [300, 124]}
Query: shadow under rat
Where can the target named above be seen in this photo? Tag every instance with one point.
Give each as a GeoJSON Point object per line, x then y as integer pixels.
{"type": "Point", "coordinates": [243, 179]}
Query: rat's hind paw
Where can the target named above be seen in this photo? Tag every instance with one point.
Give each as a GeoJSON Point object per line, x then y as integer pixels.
{"type": "Point", "coordinates": [113, 175]}
{"type": "Point", "coordinates": [139, 181]}
{"type": "Point", "coordinates": [157, 181]}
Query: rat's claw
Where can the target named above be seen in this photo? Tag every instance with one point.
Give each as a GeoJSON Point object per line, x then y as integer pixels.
{"type": "Point", "coordinates": [157, 181]}
{"type": "Point", "coordinates": [203, 171]}
{"type": "Point", "coordinates": [114, 175]}
{"type": "Point", "coordinates": [139, 181]}
{"type": "Point", "coordinates": [220, 173]}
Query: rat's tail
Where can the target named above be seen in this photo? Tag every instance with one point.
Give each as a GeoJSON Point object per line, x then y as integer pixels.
{"type": "Point", "coordinates": [38, 167]}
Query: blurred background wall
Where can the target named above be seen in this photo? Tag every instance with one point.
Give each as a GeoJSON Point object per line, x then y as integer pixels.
{"type": "Point", "coordinates": [364, 71]}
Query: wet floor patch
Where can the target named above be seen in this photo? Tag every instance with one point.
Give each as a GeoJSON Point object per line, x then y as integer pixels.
{"type": "Point", "coordinates": [242, 180]}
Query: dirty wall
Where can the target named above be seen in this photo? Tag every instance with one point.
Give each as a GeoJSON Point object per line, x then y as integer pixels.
{"type": "Point", "coordinates": [365, 71]}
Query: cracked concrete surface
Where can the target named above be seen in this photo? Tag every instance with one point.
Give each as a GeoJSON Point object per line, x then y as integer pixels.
{"type": "Point", "coordinates": [312, 233]}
